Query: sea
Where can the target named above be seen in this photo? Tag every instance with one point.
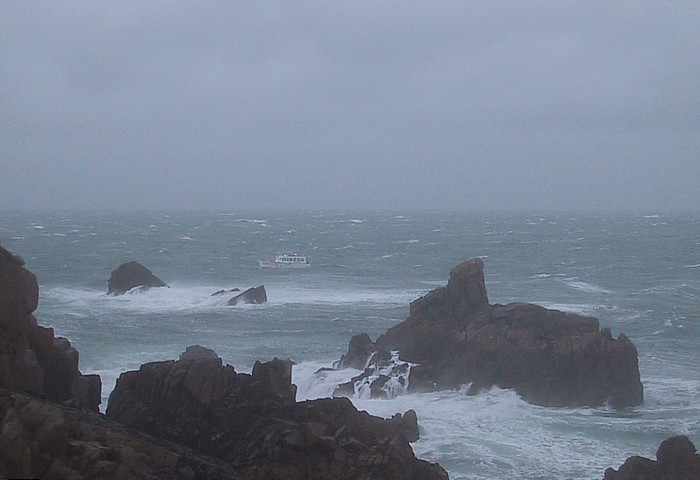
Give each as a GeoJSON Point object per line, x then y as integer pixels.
{"type": "Point", "coordinates": [637, 273]}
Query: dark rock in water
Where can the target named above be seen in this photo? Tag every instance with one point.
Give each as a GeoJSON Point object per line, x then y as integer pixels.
{"type": "Point", "coordinates": [675, 460]}
{"type": "Point", "coordinates": [32, 360]}
{"type": "Point", "coordinates": [549, 357]}
{"type": "Point", "coordinates": [253, 424]}
{"type": "Point", "coordinates": [221, 292]}
{"type": "Point", "coordinates": [360, 349]}
{"type": "Point", "coordinates": [252, 295]}
{"type": "Point", "coordinates": [131, 275]}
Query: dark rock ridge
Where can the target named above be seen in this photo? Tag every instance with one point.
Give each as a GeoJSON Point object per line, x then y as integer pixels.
{"type": "Point", "coordinates": [455, 337]}
{"type": "Point", "coordinates": [32, 360]}
{"type": "Point", "coordinates": [252, 295]}
{"type": "Point", "coordinates": [676, 459]}
{"type": "Point", "coordinates": [131, 275]}
{"type": "Point", "coordinates": [253, 423]}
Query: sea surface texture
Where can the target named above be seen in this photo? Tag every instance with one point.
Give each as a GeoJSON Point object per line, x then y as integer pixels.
{"type": "Point", "coordinates": [639, 274]}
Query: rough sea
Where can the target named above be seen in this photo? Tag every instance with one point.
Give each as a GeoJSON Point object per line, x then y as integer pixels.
{"type": "Point", "coordinates": [638, 274]}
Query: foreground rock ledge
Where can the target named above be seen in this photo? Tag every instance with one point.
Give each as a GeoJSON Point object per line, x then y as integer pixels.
{"type": "Point", "coordinates": [253, 423]}
{"type": "Point", "coordinates": [549, 357]}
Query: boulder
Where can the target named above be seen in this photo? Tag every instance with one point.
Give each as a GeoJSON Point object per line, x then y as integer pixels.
{"type": "Point", "coordinates": [32, 359]}
{"type": "Point", "coordinates": [676, 459]}
{"type": "Point", "coordinates": [455, 337]}
{"type": "Point", "coordinates": [252, 423]}
{"type": "Point", "coordinates": [131, 275]}
{"type": "Point", "coordinates": [252, 295]}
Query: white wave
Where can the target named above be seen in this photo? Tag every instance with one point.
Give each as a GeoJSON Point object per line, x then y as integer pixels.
{"type": "Point", "coordinates": [407, 241]}
{"type": "Point", "coordinates": [578, 284]}
{"type": "Point", "coordinates": [332, 296]}
{"type": "Point", "coordinates": [580, 309]}
{"type": "Point", "coordinates": [251, 220]}
{"type": "Point", "coordinates": [198, 298]}
{"type": "Point", "coordinates": [185, 237]}
{"type": "Point", "coordinates": [692, 266]}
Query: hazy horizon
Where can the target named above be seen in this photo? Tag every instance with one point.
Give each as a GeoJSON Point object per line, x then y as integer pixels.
{"type": "Point", "coordinates": [362, 106]}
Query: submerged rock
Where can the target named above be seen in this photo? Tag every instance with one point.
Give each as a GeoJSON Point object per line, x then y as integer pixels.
{"type": "Point", "coordinates": [130, 276]}
{"type": "Point", "coordinates": [455, 337]}
{"type": "Point", "coordinates": [676, 459]}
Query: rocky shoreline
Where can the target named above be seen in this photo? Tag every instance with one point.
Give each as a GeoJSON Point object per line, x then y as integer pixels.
{"type": "Point", "coordinates": [196, 418]}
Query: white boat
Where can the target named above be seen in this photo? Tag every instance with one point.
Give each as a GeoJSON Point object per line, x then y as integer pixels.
{"type": "Point", "coordinates": [285, 260]}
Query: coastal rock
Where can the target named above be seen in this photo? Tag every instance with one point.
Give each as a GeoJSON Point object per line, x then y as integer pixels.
{"type": "Point", "coordinates": [676, 459]}
{"type": "Point", "coordinates": [455, 337]}
{"type": "Point", "coordinates": [131, 275]}
{"type": "Point", "coordinates": [44, 440]}
{"type": "Point", "coordinates": [32, 360]}
{"type": "Point", "coordinates": [252, 422]}
{"type": "Point", "coordinates": [252, 295]}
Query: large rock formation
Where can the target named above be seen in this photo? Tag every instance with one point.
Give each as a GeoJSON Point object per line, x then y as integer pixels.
{"type": "Point", "coordinates": [675, 460]}
{"type": "Point", "coordinates": [253, 423]}
{"type": "Point", "coordinates": [32, 360]}
{"type": "Point", "coordinates": [131, 275]}
{"type": "Point", "coordinates": [549, 357]}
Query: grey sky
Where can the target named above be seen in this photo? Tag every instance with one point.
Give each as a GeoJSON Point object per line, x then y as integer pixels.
{"type": "Point", "coordinates": [350, 105]}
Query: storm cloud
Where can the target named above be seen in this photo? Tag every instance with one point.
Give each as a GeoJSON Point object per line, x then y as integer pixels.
{"type": "Point", "coordinates": [350, 105]}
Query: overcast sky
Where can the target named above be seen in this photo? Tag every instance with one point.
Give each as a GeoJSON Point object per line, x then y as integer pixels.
{"type": "Point", "coordinates": [350, 105]}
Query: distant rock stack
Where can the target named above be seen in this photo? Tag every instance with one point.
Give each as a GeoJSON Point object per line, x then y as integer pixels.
{"type": "Point", "coordinates": [549, 357]}
{"type": "Point", "coordinates": [131, 275]}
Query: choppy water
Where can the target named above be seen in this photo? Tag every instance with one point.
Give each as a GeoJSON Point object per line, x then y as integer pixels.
{"type": "Point", "coordinates": [639, 274]}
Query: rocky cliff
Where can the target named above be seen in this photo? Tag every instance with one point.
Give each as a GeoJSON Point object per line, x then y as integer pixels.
{"type": "Point", "coordinates": [455, 337]}
{"type": "Point", "coordinates": [32, 359]}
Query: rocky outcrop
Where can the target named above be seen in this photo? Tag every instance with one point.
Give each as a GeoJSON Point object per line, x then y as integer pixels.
{"type": "Point", "coordinates": [252, 423]}
{"type": "Point", "coordinates": [455, 337]}
{"type": "Point", "coordinates": [44, 440]}
{"type": "Point", "coordinates": [131, 275]}
{"type": "Point", "coordinates": [252, 295]}
{"type": "Point", "coordinates": [676, 459]}
{"type": "Point", "coordinates": [32, 359]}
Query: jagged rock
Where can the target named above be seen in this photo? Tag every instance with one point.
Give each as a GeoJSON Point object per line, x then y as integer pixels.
{"type": "Point", "coordinates": [252, 422]}
{"type": "Point", "coordinates": [360, 349]}
{"type": "Point", "coordinates": [549, 357]}
{"type": "Point", "coordinates": [131, 275]}
{"type": "Point", "coordinates": [252, 295]}
{"type": "Point", "coordinates": [32, 360]}
{"type": "Point", "coordinates": [221, 292]}
{"type": "Point", "coordinates": [675, 460]}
